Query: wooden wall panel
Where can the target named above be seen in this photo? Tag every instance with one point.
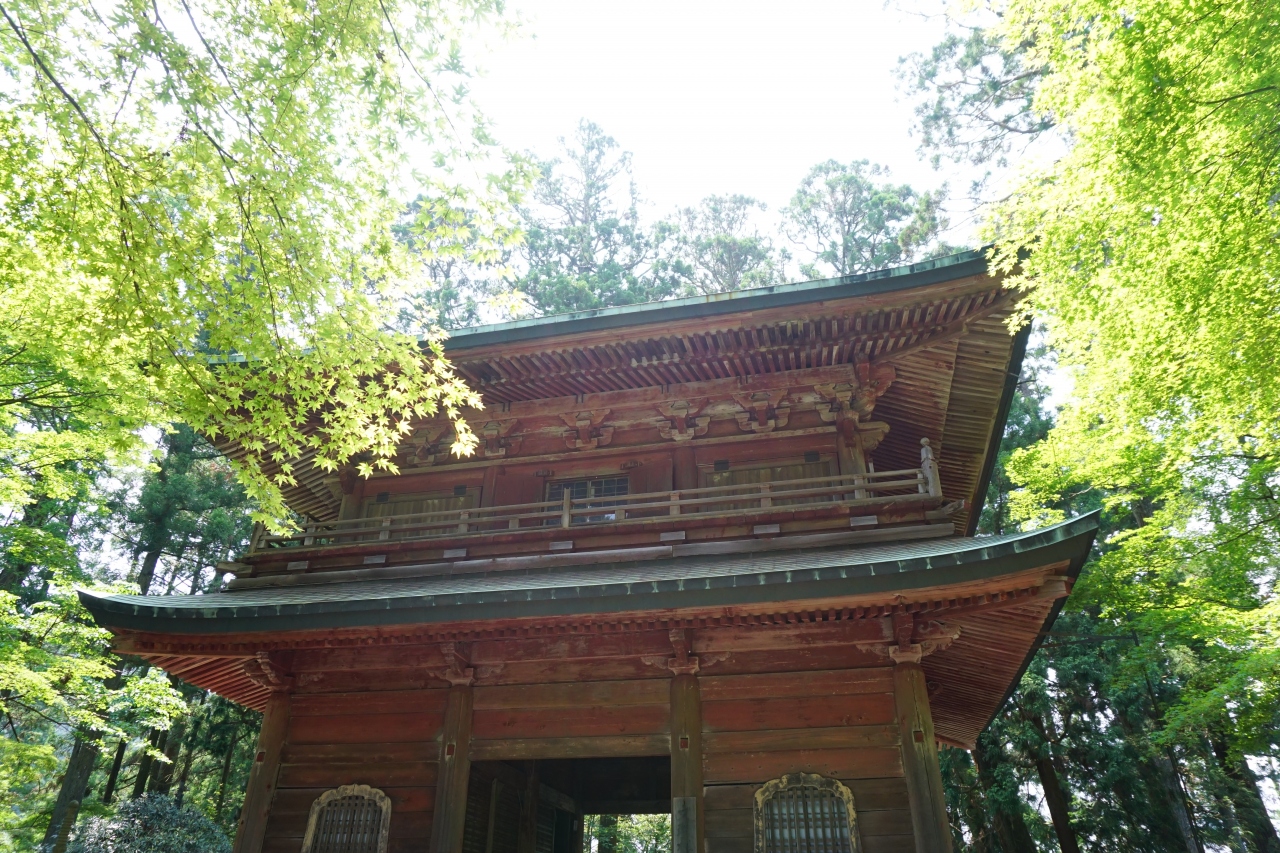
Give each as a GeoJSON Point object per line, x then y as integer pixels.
{"type": "Point", "coordinates": [805, 712]}
{"type": "Point", "coordinates": [385, 739]}
{"type": "Point", "coordinates": [837, 723]}
{"type": "Point", "coordinates": [571, 720]}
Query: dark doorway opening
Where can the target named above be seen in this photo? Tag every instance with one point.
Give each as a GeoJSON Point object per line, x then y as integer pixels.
{"type": "Point", "coordinates": [568, 805]}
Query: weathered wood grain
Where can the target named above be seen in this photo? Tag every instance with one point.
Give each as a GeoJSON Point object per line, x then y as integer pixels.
{"type": "Point", "coordinates": [365, 728]}
{"type": "Point", "coordinates": [839, 737]}
{"type": "Point", "coordinates": [840, 682]}
{"type": "Point", "coordinates": [615, 746]}
{"type": "Point", "coordinates": [264, 775]}
{"type": "Point", "coordinates": [454, 773]}
{"type": "Point", "coordinates": [518, 723]}
{"type": "Point", "coordinates": [920, 760]}
{"type": "Point", "coordinates": [864, 763]}
{"type": "Point", "coordinates": [391, 774]}
{"type": "Point", "coordinates": [371, 702]}
{"type": "Point", "coordinates": [787, 713]}
{"type": "Point", "coordinates": [574, 694]}
{"type": "Point", "coordinates": [359, 754]}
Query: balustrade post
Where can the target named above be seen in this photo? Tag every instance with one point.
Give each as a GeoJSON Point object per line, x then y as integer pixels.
{"type": "Point", "coordinates": [464, 516]}
{"type": "Point", "coordinates": [566, 509]}
{"type": "Point", "coordinates": [766, 490]}
{"type": "Point", "coordinates": [675, 504]}
{"type": "Point", "coordinates": [386, 529]}
{"type": "Point", "coordinates": [929, 469]}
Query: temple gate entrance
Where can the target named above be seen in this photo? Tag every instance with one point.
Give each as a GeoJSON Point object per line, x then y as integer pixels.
{"type": "Point", "coordinates": [541, 806]}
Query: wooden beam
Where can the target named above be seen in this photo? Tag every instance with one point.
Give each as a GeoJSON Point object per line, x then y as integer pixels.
{"type": "Point", "coordinates": [920, 760]}
{"type": "Point", "coordinates": [262, 775]}
{"type": "Point", "coordinates": [687, 811]}
{"type": "Point", "coordinates": [454, 773]}
{"type": "Point", "coordinates": [608, 746]}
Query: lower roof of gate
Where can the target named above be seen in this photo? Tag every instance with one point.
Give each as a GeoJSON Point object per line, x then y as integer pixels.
{"type": "Point", "coordinates": [730, 580]}
{"type": "Point", "coordinates": [991, 589]}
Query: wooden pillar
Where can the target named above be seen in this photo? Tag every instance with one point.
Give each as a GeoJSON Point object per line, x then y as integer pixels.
{"type": "Point", "coordinates": [687, 814]}
{"type": "Point", "coordinates": [454, 772]}
{"type": "Point", "coordinates": [262, 776]}
{"type": "Point", "coordinates": [920, 760]}
{"type": "Point", "coordinates": [527, 839]}
{"type": "Point", "coordinates": [684, 469]}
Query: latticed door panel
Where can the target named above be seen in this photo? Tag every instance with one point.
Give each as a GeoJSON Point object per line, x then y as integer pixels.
{"type": "Point", "coordinates": [805, 813]}
{"type": "Point", "coordinates": [350, 819]}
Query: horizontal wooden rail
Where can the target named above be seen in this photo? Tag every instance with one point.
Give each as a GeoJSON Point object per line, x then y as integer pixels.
{"type": "Point", "coordinates": [703, 503]}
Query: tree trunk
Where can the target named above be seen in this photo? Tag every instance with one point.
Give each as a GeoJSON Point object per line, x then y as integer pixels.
{"type": "Point", "coordinates": [1055, 796]}
{"type": "Point", "coordinates": [109, 790]}
{"type": "Point", "coordinates": [144, 765]}
{"type": "Point", "coordinates": [1177, 802]}
{"type": "Point", "coordinates": [148, 571]}
{"type": "Point", "coordinates": [1006, 817]}
{"type": "Point", "coordinates": [226, 772]}
{"type": "Point", "coordinates": [162, 776]}
{"type": "Point", "coordinates": [1251, 811]}
{"type": "Point", "coordinates": [83, 756]}
{"type": "Point", "coordinates": [607, 835]}
{"type": "Point", "coordinates": [182, 778]}
{"type": "Point", "coordinates": [975, 811]}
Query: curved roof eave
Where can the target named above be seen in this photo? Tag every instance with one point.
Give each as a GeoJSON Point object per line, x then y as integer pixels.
{"type": "Point", "coordinates": [729, 580]}
{"type": "Point", "coordinates": [949, 268]}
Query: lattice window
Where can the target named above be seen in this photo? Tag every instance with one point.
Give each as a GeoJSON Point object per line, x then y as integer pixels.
{"type": "Point", "coordinates": [742, 477]}
{"type": "Point", "coordinates": [603, 493]}
{"type": "Point", "coordinates": [350, 819]}
{"type": "Point", "coordinates": [805, 813]}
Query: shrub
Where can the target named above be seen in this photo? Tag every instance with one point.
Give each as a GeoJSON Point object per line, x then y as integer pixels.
{"type": "Point", "coordinates": [151, 824]}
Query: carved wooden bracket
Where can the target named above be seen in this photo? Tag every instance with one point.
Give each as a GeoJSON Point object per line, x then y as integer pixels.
{"type": "Point", "coordinates": [423, 447]}
{"type": "Point", "coordinates": [458, 673]}
{"type": "Point", "coordinates": [913, 640]}
{"type": "Point", "coordinates": [496, 442]}
{"type": "Point", "coordinates": [681, 422]}
{"type": "Point", "coordinates": [762, 411]}
{"type": "Point", "coordinates": [347, 479]}
{"type": "Point", "coordinates": [585, 432]}
{"type": "Point", "coordinates": [264, 672]}
{"type": "Point", "coordinates": [873, 381]}
{"type": "Point", "coordinates": [683, 663]}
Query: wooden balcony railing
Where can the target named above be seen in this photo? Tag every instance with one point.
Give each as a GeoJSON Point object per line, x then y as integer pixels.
{"type": "Point", "coordinates": [699, 505]}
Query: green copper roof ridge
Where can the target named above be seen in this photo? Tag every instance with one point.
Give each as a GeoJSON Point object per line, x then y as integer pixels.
{"type": "Point", "coordinates": [858, 284]}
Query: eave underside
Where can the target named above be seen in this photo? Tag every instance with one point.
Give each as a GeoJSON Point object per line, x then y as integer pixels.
{"type": "Point", "coordinates": [1000, 614]}
{"type": "Point", "coordinates": [948, 341]}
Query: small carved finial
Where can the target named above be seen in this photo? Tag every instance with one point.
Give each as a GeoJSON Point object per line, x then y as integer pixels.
{"type": "Point", "coordinates": [932, 484]}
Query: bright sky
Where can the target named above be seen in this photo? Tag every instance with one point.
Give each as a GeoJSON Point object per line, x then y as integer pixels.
{"type": "Point", "coordinates": [714, 96]}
